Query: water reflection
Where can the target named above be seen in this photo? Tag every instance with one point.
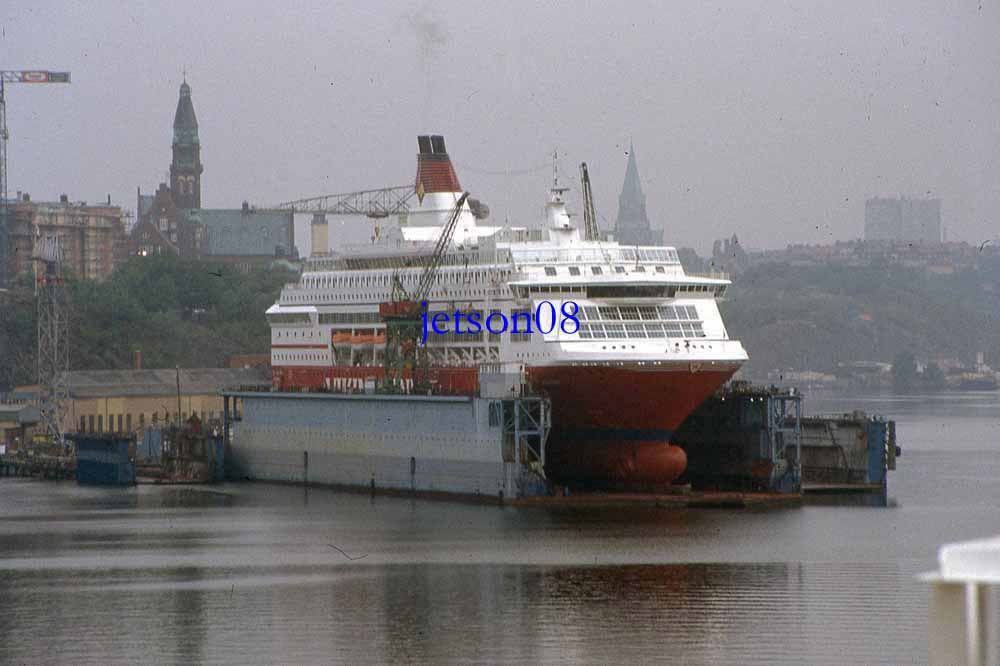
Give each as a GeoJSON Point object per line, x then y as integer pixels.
{"type": "Point", "coordinates": [244, 574]}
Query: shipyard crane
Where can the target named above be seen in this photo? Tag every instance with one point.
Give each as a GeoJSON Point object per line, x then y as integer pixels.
{"type": "Point", "coordinates": [375, 204]}
{"type": "Point", "coordinates": [14, 76]}
{"type": "Point", "coordinates": [53, 333]}
{"type": "Point", "coordinates": [591, 231]}
{"type": "Point", "coordinates": [402, 315]}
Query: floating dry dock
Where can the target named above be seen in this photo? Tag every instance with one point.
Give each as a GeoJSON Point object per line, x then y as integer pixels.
{"type": "Point", "coordinates": [468, 446]}
{"type": "Point", "coordinates": [749, 437]}
{"type": "Point", "coordinates": [747, 446]}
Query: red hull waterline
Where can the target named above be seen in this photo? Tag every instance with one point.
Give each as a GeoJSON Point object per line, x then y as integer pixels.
{"type": "Point", "coordinates": [612, 426]}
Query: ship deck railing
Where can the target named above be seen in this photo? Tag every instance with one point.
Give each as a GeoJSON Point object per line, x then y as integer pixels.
{"type": "Point", "coordinates": [711, 275]}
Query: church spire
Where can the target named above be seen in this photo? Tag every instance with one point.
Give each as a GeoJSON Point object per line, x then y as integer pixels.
{"type": "Point", "coordinates": [186, 167]}
{"type": "Point", "coordinates": [632, 224]}
{"type": "Point", "coordinates": [632, 188]}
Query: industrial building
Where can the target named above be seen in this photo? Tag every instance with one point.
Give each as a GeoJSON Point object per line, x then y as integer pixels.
{"type": "Point", "coordinates": [903, 219]}
{"type": "Point", "coordinates": [129, 400]}
{"type": "Point", "coordinates": [92, 237]}
{"type": "Point", "coordinates": [18, 423]}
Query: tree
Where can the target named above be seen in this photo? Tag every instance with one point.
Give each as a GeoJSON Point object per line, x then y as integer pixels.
{"type": "Point", "coordinates": [933, 377]}
{"type": "Point", "coordinates": [904, 372]}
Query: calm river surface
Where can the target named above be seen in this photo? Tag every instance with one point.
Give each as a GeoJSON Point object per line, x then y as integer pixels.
{"type": "Point", "coordinates": [255, 573]}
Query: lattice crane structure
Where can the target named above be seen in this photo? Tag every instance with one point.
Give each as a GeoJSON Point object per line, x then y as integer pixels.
{"type": "Point", "coordinates": [53, 333]}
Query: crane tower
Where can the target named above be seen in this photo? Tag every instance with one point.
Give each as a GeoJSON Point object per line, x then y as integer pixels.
{"type": "Point", "coordinates": [53, 334]}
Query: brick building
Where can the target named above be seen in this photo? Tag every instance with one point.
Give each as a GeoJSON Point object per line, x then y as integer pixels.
{"type": "Point", "coordinates": [172, 219]}
{"type": "Point", "coordinates": [92, 236]}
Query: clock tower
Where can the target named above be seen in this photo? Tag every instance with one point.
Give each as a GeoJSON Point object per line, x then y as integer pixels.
{"type": "Point", "coordinates": [186, 167]}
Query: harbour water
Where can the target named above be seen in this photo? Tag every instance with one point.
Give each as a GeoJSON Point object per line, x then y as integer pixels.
{"type": "Point", "coordinates": [257, 573]}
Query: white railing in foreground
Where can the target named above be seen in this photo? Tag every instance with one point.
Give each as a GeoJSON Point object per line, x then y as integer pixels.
{"type": "Point", "coordinates": [964, 627]}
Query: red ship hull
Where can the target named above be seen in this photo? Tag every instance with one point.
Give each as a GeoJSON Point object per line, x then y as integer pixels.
{"type": "Point", "coordinates": [612, 426]}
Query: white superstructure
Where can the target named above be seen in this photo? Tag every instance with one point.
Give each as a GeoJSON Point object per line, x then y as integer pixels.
{"type": "Point", "coordinates": [636, 304]}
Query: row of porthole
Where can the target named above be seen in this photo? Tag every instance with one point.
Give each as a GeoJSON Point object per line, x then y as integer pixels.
{"type": "Point", "coordinates": [677, 345]}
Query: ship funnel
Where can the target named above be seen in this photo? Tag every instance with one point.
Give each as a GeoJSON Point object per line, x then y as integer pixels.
{"type": "Point", "coordinates": [434, 170]}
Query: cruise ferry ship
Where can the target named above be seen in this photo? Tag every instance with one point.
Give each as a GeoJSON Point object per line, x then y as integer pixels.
{"type": "Point", "coordinates": [651, 344]}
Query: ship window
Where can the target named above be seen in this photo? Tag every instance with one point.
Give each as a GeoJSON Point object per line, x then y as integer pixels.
{"type": "Point", "coordinates": [649, 291]}
{"type": "Point", "coordinates": [591, 312]}
{"type": "Point", "coordinates": [654, 330]}
{"type": "Point", "coordinates": [660, 269]}
{"type": "Point", "coordinates": [615, 330]}
{"type": "Point", "coordinates": [640, 269]}
{"type": "Point", "coordinates": [574, 270]}
{"type": "Point", "coordinates": [629, 312]}
{"type": "Point", "coordinates": [596, 270]}
{"type": "Point", "coordinates": [520, 321]}
{"type": "Point", "coordinates": [550, 271]}
{"type": "Point", "coordinates": [619, 269]}
{"type": "Point", "coordinates": [492, 337]}
{"type": "Point", "coordinates": [635, 330]}
{"type": "Point", "coordinates": [648, 313]}
{"type": "Point", "coordinates": [585, 332]}
{"type": "Point", "coordinates": [609, 313]}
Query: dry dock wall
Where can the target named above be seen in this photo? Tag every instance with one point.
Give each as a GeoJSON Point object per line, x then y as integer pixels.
{"type": "Point", "coordinates": [417, 443]}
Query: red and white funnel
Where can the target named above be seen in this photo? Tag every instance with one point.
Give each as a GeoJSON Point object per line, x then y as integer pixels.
{"type": "Point", "coordinates": [434, 170]}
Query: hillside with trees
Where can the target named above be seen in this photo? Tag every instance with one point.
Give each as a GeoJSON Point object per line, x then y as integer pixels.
{"type": "Point", "coordinates": [196, 314]}
{"type": "Point", "coordinates": [177, 312]}
{"type": "Point", "coordinates": [798, 318]}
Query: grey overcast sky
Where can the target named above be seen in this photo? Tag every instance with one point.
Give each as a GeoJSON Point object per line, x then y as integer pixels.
{"type": "Point", "coordinates": [772, 120]}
